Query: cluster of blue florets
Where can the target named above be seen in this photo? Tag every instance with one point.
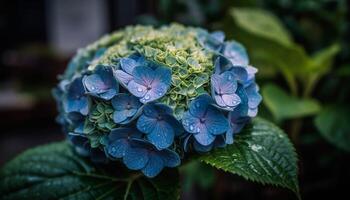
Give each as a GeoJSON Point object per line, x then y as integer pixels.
{"type": "Point", "coordinates": [115, 111]}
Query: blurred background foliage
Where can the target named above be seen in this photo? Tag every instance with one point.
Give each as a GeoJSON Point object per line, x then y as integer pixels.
{"type": "Point", "coordinates": [301, 48]}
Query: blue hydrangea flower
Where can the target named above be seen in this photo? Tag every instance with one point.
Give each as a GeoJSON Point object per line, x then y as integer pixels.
{"type": "Point", "coordinates": [142, 155]}
{"type": "Point", "coordinates": [204, 120]}
{"type": "Point", "coordinates": [159, 124]}
{"type": "Point", "coordinates": [127, 65]}
{"type": "Point", "coordinates": [235, 52]}
{"type": "Point", "coordinates": [126, 107]}
{"type": "Point", "coordinates": [211, 41]}
{"type": "Point", "coordinates": [118, 141]}
{"type": "Point", "coordinates": [244, 75]}
{"type": "Point", "coordinates": [82, 147]}
{"type": "Point", "coordinates": [149, 83]}
{"type": "Point", "coordinates": [76, 120]}
{"type": "Point", "coordinates": [224, 87]}
{"type": "Point", "coordinates": [101, 83]}
{"type": "Point", "coordinates": [254, 99]}
{"type": "Point", "coordinates": [75, 99]}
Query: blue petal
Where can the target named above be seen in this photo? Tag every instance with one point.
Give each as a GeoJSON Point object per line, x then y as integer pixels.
{"type": "Point", "coordinates": [222, 64]}
{"type": "Point", "coordinates": [162, 136]}
{"type": "Point", "coordinates": [241, 74]}
{"type": "Point", "coordinates": [117, 148]}
{"type": "Point", "coordinates": [143, 75]}
{"type": "Point", "coordinates": [199, 105]}
{"type": "Point", "coordinates": [154, 109]}
{"type": "Point", "coordinates": [216, 122]}
{"type": "Point", "coordinates": [136, 158]}
{"type": "Point", "coordinates": [254, 98]}
{"type": "Point", "coordinates": [190, 123]}
{"type": "Point", "coordinates": [128, 64]}
{"type": "Point", "coordinates": [137, 89]}
{"type": "Point", "coordinates": [146, 124]}
{"type": "Point", "coordinates": [243, 106]}
{"type": "Point", "coordinates": [154, 166]}
{"type": "Point", "coordinates": [123, 133]}
{"type": "Point", "coordinates": [175, 124]}
{"type": "Point", "coordinates": [218, 35]}
{"type": "Point", "coordinates": [231, 100]}
{"type": "Point", "coordinates": [208, 41]}
{"type": "Point", "coordinates": [81, 105]}
{"type": "Point", "coordinates": [162, 75]}
{"type": "Point", "coordinates": [123, 78]}
{"type": "Point", "coordinates": [170, 158]}
{"type": "Point", "coordinates": [109, 94]}
{"type": "Point", "coordinates": [224, 83]}
{"type": "Point", "coordinates": [236, 53]}
{"type": "Point", "coordinates": [120, 101]}
{"type": "Point", "coordinates": [102, 83]}
{"type": "Point", "coordinates": [119, 116]}
{"type": "Point", "coordinates": [203, 137]}
{"type": "Point", "coordinates": [252, 112]}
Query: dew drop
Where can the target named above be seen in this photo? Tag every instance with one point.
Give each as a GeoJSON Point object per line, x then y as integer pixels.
{"type": "Point", "coordinates": [229, 77]}
{"type": "Point", "coordinates": [198, 130]}
{"type": "Point", "coordinates": [139, 89]}
{"type": "Point", "coordinates": [147, 97]}
{"type": "Point", "coordinates": [191, 127]}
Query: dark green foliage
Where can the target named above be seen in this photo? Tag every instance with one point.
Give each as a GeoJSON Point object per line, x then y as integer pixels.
{"type": "Point", "coordinates": [261, 153]}
{"type": "Point", "coordinates": [54, 172]}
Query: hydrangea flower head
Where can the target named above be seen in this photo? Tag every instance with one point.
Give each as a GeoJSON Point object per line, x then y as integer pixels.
{"type": "Point", "coordinates": [142, 96]}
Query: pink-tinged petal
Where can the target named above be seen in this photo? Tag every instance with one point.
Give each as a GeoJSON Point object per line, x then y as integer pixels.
{"type": "Point", "coordinates": [231, 100]}
{"type": "Point", "coordinates": [143, 75]}
{"type": "Point", "coordinates": [137, 89]}
{"type": "Point", "coordinates": [123, 78]}
{"type": "Point", "coordinates": [219, 101]}
{"type": "Point", "coordinates": [128, 64]}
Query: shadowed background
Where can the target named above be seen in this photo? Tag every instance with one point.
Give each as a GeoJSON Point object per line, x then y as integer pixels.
{"type": "Point", "coordinates": [39, 37]}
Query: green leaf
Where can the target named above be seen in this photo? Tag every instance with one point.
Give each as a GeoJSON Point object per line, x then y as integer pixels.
{"type": "Point", "coordinates": [322, 60]}
{"type": "Point", "coordinates": [54, 171]}
{"type": "Point", "coordinates": [268, 49]}
{"type": "Point", "coordinates": [333, 124]}
{"type": "Point", "coordinates": [284, 106]}
{"type": "Point", "coordinates": [262, 23]}
{"type": "Point", "coordinates": [261, 153]}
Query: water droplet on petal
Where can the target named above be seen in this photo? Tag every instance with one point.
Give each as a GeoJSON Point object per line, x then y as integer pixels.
{"type": "Point", "coordinates": [139, 89]}
{"type": "Point", "coordinates": [147, 97]}
{"type": "Point", "coordinates": [191, 127]}
{"type": "Point", "coordinates": [198, 130]}
{"type": "Point", "coordinates": [229, 77]}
